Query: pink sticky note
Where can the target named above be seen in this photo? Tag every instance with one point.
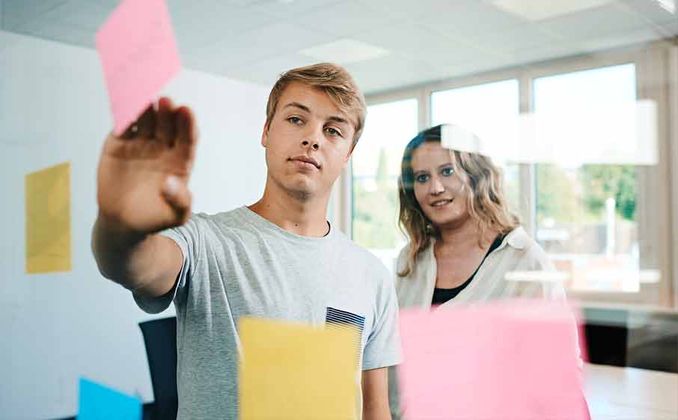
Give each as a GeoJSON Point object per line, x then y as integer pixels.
{"type": "Point", "coordinates": [509, 360]}
{"type": "Point", "coordinates": [139, 56]}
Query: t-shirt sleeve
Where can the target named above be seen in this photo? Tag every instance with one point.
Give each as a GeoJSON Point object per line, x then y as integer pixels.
{"type": "Point", "coordinates": [383, 343]}
{"type": "Point", "coordinates": [187, 237]}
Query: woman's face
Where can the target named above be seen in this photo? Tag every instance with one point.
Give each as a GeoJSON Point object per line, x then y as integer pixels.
{"type": "Point", "coordinates": [437, 188]}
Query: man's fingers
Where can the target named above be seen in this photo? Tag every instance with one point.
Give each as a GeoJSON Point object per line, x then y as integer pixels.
{"type": "Point", "coordinates": [187, 132]}
{"type": "Point", "coordinates": [146, 122]}
{"type": "Point", "coordinates": [165, 127]}
{"type": "Point", "coordinates": [176, 193]}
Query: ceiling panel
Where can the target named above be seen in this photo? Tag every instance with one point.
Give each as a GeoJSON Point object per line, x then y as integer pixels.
{"type": "Point", "coordinates": [652, 10]}
{"type": "Point", "coordinates": [386, 72]}
{"type": "Point", "coordinates": [344, 19]}
{"type": "Point", "coordinates": [267, 70]}
{"type": "Point", "coordinates": [256, 44]}
{"type": "Point", "coordinates": [599, 22]}
{"type": "Point", "coordinates": [427, 40]}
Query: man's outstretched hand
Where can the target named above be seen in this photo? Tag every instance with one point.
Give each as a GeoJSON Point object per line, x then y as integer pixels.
{"type": "Point", "coordinates": [142, 180]}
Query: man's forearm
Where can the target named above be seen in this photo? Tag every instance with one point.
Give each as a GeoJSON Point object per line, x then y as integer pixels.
{"type": "Point", "coordinates": [120, 254]}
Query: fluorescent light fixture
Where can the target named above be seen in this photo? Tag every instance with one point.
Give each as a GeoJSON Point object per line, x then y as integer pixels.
{"type": "Point", "coordinates": [344, 51]}
{"type": "Point", "coordinates": [535, 10]}
{"type": "Point", "coordinates": [668, 5]}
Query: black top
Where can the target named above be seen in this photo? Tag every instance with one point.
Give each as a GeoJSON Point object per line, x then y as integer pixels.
{"type": "Point", "coordinates": [441, 296]}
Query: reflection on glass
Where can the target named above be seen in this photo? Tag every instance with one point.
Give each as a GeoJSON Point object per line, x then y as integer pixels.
{"type": "Point", "coordinates": [376, 166]}
{"type": "Point", "coordinates": [483, 109]}
{"type": "Point", "coordinates": [586, 216]}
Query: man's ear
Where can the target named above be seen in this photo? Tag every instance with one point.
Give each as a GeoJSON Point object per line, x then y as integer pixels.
{"type": "Point", "coordinates": [350, 152]}
{"type": "Point", "coordinates": [264, 135]}
{"type": "Point", "coordinates": [347, 158]}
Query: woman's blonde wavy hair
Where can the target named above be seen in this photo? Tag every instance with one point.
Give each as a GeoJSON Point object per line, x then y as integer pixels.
{"type": "Point", "coordinates": [483, 186]}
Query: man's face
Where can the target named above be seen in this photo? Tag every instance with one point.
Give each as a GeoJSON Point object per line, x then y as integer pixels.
{"type": "Point", "coordinates": [308, 142]}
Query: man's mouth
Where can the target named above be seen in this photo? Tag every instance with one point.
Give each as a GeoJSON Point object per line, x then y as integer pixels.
{"type": "Point", "coordinates": [306, 160]}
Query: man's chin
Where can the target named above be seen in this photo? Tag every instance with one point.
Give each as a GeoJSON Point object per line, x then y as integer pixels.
{"type": "Point", "coordinates": [301, 191]}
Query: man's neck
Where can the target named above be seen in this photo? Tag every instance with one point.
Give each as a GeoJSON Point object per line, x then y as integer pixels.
{"type": "Point", "coordinates": [302, 217]}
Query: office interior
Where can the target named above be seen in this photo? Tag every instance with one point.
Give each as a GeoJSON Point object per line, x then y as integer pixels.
{"type": "Point", "coordinates": [606, 216]}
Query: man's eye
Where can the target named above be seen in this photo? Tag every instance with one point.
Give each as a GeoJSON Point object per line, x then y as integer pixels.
{"type": "Point", "coordinates": [295, 120]}
{"type": "Point", "coordinates": [333, 132]}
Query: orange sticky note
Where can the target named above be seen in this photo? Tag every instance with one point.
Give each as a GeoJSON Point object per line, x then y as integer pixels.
{"type": "Point", "coordinates": [508, 360]}
{"type": "Point", "coordinates": [292, 371]}
{"type": "Point", "coordinates": [139, 56]}
{"type": "Point", "coordinates": [48, 220]}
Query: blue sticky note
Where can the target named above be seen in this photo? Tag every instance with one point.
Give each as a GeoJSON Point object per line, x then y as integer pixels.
{"type": "Point", "coordinates": [98, 402]}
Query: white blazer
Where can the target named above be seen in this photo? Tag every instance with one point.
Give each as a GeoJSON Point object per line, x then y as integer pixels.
{"type": "Point", "coordinates": [518, 255]}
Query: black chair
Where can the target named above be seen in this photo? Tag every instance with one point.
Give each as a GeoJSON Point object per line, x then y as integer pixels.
{"type": "Point", "coordinates": [160, 337]}
{"type": "Point", "coordinates": [653, 342]}
{"type": "Point", "coordinates": [633, 338]}
{"type": "Point", "coordinates": [606, 335]}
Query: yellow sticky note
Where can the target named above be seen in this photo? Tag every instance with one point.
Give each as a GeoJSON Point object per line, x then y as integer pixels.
{"type": "Point", "coordinates": [291, 371]}
{"type": "Point", "coordinates": [48, 220]}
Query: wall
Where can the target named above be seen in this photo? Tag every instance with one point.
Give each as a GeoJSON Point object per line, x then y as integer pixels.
{"type": "Point", "coordinates": [57, 327]}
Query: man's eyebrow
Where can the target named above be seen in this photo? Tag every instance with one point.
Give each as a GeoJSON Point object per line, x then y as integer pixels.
{"type": "Point", "coordinates": [298, 105]}
{"type": "Point", "coordinates": [334, 118]}
{"type": "Point", "coordinates": [337, 119]}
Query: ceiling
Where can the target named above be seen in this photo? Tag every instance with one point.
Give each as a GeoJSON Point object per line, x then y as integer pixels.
{"type": "Point", "coordinates": [386, 44]}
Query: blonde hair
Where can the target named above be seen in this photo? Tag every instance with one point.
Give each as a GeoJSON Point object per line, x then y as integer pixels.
{"type": "Point", "coordinates": [486, 203]}
{"type": "Point", "coordinates": [330, 78]}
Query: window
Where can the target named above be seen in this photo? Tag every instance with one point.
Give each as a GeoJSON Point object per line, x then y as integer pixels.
{"type": "Point", "coordinates": [586, 215]}
{"type": "Point", "coordinates": [589, 186]}
{"type": "Point", "coordinates": [376, 167]}
{"type": "Point", "coordinates": [483, 109]}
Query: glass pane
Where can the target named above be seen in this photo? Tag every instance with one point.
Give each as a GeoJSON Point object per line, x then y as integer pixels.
{"type": "Point", "coordinates": [586, 215]}
{"type": "Point", "coordinates": [376, 167]}
{"type": "Point", "coordinates": [473, 108]}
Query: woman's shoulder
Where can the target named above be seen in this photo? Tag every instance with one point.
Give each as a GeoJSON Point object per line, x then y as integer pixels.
{"type": "Point", "coordinates": [404, 252]}
{"type": "Point", "coordinates": [527, 248]}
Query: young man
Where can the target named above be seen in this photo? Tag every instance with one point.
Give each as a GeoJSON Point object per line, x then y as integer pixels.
{"type": "Point", "coordinates": [278, 258]}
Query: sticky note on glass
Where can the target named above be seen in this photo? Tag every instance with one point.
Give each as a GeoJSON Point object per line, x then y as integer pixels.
{"type": "Point", "coordinates": [98, 402]}
{"type": "Point", "coordinates": [291, 371]}
{"type": "Point", "coordinates": [516, 360]}
{"type": "Point", "coordinates": [48, 220]}
{"type": "Point", "coordinates": [139, 55]}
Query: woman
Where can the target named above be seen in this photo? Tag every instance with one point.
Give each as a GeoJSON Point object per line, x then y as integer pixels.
{"type": "Point", "coordinates": [464, 243]}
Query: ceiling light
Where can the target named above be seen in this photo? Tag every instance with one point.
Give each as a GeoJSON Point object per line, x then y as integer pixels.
{"type": "Point", "coordinates": [668, 5]}
{"type": "Point", "coordinates": [535, 10]}
{"type": "Point", "coordinates": [344, 51]}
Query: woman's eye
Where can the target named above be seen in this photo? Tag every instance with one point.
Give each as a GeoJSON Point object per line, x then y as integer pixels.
{"type": "Point", "coordinates": [447, 172]}
{"type": "Point", "coordinates": [421, 178]}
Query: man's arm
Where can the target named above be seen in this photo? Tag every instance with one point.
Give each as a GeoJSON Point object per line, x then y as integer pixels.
{"type": "Point", "coordinates": [375, 394]}
{"type": "Point", "coordinates": [141, 190]}
{"type": "Point", "coordinates": [148, 265]}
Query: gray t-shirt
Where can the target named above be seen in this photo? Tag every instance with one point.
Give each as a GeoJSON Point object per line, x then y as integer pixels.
{"type": "Point", "coordinates": [239, 264]}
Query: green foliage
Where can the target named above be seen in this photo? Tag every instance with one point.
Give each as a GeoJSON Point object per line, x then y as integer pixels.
{"type": "Point", "coordinates": [601, 182]}
{"type": "Point", "coordinates": [555, 194]}
{"type": "Point", "coordinates": [563, 195]}
{"type": "Point", "coordinates": [375, 207]}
